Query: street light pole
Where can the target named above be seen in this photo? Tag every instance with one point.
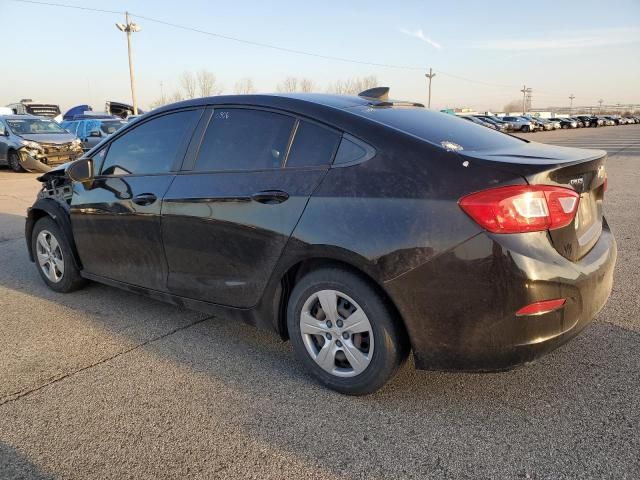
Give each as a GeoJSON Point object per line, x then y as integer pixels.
{"type": "Point", "coordinates": [129, 28]}
{"type": "Point", "coordinates": [571, 97]}
{"type": "Point", "coordinates": [429, 75]}
{"type": "Point", "coordinates": [600, 109]}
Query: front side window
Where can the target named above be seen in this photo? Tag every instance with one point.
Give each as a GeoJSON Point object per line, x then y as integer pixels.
{"type": "Point", "coordinates": [244, 139]}
{"type": "Point", "coordinates": [152, 147]}
{"type": "Point", "coordinates": [312, 146]}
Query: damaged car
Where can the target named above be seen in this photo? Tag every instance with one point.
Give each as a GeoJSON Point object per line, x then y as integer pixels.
{"type": "Point", "coordinates": [30, 143]}
{"type": "Point", "coordinates": [358, 227]}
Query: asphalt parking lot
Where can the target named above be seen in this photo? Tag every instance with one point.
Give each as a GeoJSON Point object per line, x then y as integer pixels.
{"type": "Point", "coordinates": [105, 384]}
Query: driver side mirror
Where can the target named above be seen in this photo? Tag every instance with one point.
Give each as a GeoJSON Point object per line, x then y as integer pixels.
{"type": "Point", "coordinates": [81, 170]}
{"type": "Point", "coordinates": [95, 133]}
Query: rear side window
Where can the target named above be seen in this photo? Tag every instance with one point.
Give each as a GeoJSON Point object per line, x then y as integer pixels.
{"type": "Point", "coordinates": [436, 127]}
{"type": "Point", "coordinates": [244, 139]}
{"type": "Point", "coordinates": [152, 147]}
{"type": "Point", "coordinates": [349, 152]}
{"type": "Point", "coordinates": [312, 146]}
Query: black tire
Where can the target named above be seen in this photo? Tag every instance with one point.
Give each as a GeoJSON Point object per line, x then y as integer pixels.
{"type": "Point", "coordinates": [13, 160]}
{"type": "Point", "coordinates": [391, 346]}
{"type": "Point", "coordinates": [70, 278]}
{"type": "Point", "coordinates": [526, 129]}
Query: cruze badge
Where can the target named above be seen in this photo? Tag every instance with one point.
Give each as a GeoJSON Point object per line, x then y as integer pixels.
{"type": "Point", "coordinates": [577, 181]}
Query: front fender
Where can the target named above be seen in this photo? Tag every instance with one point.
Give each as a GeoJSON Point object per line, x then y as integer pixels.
{"type": "Point", "coordinates": [60, 214]}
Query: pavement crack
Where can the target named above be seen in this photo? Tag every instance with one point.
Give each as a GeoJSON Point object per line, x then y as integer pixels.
{"type": "Point", "coordinates": [12, 397]}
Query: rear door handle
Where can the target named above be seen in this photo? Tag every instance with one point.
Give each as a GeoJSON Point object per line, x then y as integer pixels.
{"type": "Point", "coordinates": [270, 196]}
{"type": "Point", "coordinates": [144, 199]}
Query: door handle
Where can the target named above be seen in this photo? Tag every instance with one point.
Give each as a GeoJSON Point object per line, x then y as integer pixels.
{"type": "Point", "coordinates": [144, 199]}
{"type": "Point", "coordinates": [270, 196]}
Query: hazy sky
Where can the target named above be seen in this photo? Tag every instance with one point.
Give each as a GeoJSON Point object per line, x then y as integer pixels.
{"type": "Point", "coordinates": [588, 48]}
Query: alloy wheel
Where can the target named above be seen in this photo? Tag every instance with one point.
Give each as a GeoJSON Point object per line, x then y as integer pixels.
{"type": "Point", "coordinates": [336, 333]}
{"type": "Point", "coordinates": [50, 256]}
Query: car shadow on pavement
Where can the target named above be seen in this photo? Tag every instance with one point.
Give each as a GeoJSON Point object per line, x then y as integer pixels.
{"type": "Point", "coordinates": [15, 466]}
{"type": "Point", "coordinates": [578, 404]}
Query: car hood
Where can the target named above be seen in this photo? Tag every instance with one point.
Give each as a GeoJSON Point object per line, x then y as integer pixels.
{"type": "Point", "coordinates": [55, 138]}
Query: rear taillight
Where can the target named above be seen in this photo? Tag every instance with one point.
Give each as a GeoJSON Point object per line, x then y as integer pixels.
{"type": "Point", "coordinates": [522, 208]}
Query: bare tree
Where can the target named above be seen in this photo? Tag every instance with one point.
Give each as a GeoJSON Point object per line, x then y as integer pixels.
{"type": "Point", "coordinates": [164, 100]}
{"type": "Point", "coordinates": [244, 85]}
{"type": "Point", "coordinates": [513, 106]}
{"type": "Point", "coordinates": [289, 84]}
{"type": "Point", "coordinates": [208, 84]}
{"type": "Point", "coordinates": [188, 82]}
{"type": "Point", "coordinates": [307, 85]}
{"type": "Point", "coordinates": [352, 86]}
{"type": "Point", "coordinates": [366, 83]}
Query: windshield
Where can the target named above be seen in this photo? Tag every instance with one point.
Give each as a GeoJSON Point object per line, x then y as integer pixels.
{"type": "Point", "coordinates": [31, 126]}
{"type": "Point", "coordinates": [438, 128]}
{"type": "Point", "coordinates": [111, 126]}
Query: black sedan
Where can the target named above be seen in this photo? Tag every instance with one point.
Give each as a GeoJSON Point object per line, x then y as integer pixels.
{"type": "Point", "coordinates": [358, 227]}
{"type": "Point", "coordinates": [590, 120]}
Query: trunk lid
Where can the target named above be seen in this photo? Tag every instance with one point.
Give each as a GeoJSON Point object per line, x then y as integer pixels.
{"type": "Point", "coordinates": [581, 170]}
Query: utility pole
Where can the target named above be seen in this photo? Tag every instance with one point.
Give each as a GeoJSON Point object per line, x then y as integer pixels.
{"type": "Point", "coordinates": [571, 97]}
{"type": "Point", "coordinates": [600, 109]}
{"type": "Point", "coordinates": [129, 28]}
{"type": "Point", "coordinates": [526, 98]}
{"type": "Point", "coordinates": [429, 75]}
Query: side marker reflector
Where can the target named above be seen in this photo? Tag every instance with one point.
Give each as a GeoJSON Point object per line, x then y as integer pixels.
{"type": "Point", "coordinates": [545, 306]}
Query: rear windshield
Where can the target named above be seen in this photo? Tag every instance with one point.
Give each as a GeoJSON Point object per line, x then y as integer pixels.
{"type": "Point", "coordinates": [438, 128]}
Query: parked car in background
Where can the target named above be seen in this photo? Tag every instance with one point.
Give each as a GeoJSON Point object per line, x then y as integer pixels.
{"type": "Point", "coordinates": [565, 122]}
{"type": "Point", "coordinates": [544, 124]}
{"type": "Point", "coordinates": [119, 109]}
{"type": "Point", "coordinates": [520, 124]}
{"type": "Point", "coordinates": [501, 126]}
{"type": "Point", "coordinates": [506, 126]}
{"type": "Point", "coordinates": [479, 121]}
{"type": "Point", "coordinates": [591, 120]}
{"type": "Point", "coordinates": [92, 129]}
{"type": "Point", "coordinates": [607, 121]}
{"type": "Point", "coordinates": [322, 217]}
{"type": "Point", "coordinates": [579, 123]}
{"type": "Point", "coordinates": [29, 143]}
{"type": "Point", "coordinates": [27, 106]}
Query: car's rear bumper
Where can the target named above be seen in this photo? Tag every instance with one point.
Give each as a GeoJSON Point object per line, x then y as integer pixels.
{"type": "Point", "coordinates": [460, 308]}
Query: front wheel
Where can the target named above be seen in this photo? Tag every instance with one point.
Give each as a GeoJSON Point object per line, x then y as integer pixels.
{"type": "Point", "coordinates": [54, 258]}
{"type": "Point", "coordinates": [14, 162]}
{"type": "Point", "coordinates": [526, 129]}
{"type": "Point", "coordinates": [343, 331]}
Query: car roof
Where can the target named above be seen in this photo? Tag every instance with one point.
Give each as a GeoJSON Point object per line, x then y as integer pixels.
{"type": "Point", "coordinates": [285, 100]}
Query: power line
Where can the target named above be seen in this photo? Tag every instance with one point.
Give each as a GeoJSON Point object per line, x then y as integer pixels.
{"type": "Point", "coordinates": [64, 5]}
{"type": "Point", "coordinates": [273, 47]}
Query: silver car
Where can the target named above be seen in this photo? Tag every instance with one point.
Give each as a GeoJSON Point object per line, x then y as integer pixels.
{"type": "Point", "coordinates": [30, 143]}
{"type": "Point", "coordinates": [520, 124]}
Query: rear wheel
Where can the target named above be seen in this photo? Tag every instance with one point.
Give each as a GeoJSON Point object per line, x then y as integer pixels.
{"type": "Point", "coordinates": [14, 162]}
{"type": "Point", "coordinates": [526, 129]}
{"type": "Point", "coordinates": [54, 258]}
{"type": "Point", "coordinates": [343, 332]}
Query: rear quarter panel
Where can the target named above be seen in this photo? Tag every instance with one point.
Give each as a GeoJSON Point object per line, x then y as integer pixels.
{"type": "Point", "coordinates": [394, 212]}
